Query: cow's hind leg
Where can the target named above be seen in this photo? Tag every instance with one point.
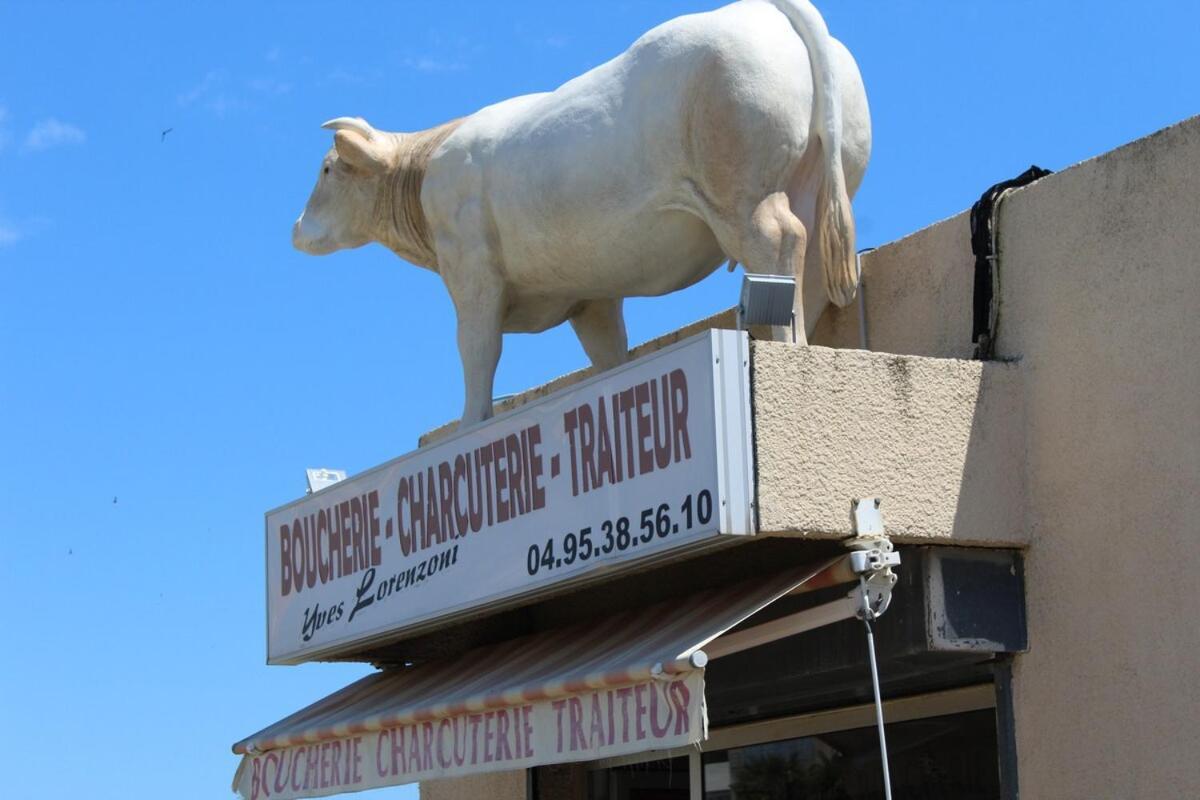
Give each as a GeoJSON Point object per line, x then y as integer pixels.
{"type": "Point", "coordinates": [600, 326]}
{"type": "Point", "coordinates": [769, 238]}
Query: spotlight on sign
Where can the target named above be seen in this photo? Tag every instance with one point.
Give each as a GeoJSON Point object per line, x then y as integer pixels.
{"type": "Point", "coordinates": [767, 300]}
{"type": "Point", "coordinates": [318, 479]}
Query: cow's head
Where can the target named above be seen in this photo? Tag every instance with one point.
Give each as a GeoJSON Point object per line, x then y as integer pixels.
{"type": "Point", "coordinates": [341, 209]}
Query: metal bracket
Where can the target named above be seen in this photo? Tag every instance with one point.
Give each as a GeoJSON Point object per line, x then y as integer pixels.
{"type": "Point", "coordinates": [872, 557]}
{"type": "Point", "coordinates": [876, 556]}
{"type": "Point", "coordinates": [865, 518]}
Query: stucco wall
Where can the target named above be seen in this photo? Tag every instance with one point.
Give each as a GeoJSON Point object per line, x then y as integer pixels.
{"type": "Point", "coordinates": [1100, 278]}
{"type": "Point", "coordinates": [940, 441]}
{"type": "Point", "coordinates": [917, 296]}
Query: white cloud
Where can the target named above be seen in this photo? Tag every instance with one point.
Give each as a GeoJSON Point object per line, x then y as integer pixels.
{"type": "Point", "coordinates": [426, 64]}
{"type": "Point", "coordinates": [219, 93]}
{"type": "Point", "coordinates": [51, 132]}
{"type": "Point", "coordinates": [554, 40]}
{"type": "Point", "coordinates": [269, 86]}
{"type": "Point", "coordinates": [222, 103]}
{"type": "Point", "coordinates": [344, 76]}
{"type": "Point", "coordinates": [210, 94]}
{"type": "Point", "coordinates": [210, 82]}
{"type": "Point", "coordinates": [9, 233]}
{"type": "Point", "coordinates": [14, 231]}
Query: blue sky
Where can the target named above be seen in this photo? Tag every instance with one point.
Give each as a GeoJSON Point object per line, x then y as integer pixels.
{"type": "Point", "coordinates": [170, 365]}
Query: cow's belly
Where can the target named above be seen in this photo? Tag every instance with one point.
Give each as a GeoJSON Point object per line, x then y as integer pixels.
{"type": "Point", "coordinates": [647, 255]}
{"type": "Point", "coordinates": [679, 252]}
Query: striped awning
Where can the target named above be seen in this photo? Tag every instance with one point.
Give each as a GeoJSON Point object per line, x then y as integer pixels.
{"type": "Point", "coordinates": [631, 683]}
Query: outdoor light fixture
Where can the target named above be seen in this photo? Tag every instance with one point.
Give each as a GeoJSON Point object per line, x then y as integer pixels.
{"type": "Point", "coordinates": [318, 479]}
{"type": "Point", "coordinates": [767, 300]}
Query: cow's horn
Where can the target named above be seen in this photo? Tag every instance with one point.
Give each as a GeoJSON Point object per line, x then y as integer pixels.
{"type": "Point", "coordinates": [356, 124]}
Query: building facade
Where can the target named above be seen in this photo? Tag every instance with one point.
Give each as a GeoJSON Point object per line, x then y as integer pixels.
{"type": "Point", "coordinates": [1044, 504]}
{"type": "Point", "coordinates": [1081, 451]}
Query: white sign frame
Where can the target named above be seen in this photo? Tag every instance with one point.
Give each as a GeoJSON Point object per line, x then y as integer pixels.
{"type": "Point", "coordinates": [718, 425]}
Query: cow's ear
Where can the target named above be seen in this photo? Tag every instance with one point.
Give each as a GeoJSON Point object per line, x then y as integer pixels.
{"type": "Point", "coordinates": [360, 153]}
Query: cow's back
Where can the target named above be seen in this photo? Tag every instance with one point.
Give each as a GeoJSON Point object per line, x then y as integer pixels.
{"type": "Point", "coordinates": [575, 182]}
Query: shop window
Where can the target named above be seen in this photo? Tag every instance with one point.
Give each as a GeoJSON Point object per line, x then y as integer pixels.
{"type": "Point", "coordinates": [940, 757]}
{"type": "Point", "coordinates": [941, 745]}
{"type": "Point", "coordinates": [665, 779]}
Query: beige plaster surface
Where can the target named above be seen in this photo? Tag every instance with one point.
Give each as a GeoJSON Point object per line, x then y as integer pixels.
{"type": "Point", "coordinates": [917, 295]}
{"type": "Point", "coordinates": [1100, 285]}
{"type": "Point", "coordinates": [940, 441]}
{"type": "Point", "coordinates": [493, 786]}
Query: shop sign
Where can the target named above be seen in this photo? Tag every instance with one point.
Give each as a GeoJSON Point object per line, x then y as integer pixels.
{"type": "Point", "coordinates": [604, 723]}
{"type": "Point", "coordinates": [639, 463]}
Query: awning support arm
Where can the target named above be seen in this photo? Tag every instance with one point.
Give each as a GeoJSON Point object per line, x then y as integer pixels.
{"type": "Point", "coordinates": [871, 559]}
{"type": "Point", "coordinates": [875, 594]}
{"type": "Point", "coordinates": [806, 620]}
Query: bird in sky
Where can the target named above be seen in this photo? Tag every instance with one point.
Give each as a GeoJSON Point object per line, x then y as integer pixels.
{"type": "Point", "coordinates": [164, 135]}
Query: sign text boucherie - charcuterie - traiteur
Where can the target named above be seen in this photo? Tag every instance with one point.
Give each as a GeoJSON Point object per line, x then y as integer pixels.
{"type": "Point", "coordinates": [622, 467]}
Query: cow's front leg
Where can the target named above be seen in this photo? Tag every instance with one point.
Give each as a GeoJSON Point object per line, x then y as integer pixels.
{"type": "Point", "coordinates": [480, 316]}
{"type": "Point", "coordinates": [479, 298]}
{"type": "Point", "coordinates": [600, 326]}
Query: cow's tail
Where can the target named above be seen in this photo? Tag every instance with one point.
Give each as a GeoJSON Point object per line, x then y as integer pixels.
{"type": "Point", "coordinates": [834, 220]}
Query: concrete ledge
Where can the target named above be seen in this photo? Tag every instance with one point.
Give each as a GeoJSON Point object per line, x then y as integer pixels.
{"type": "Point", "coordinates": [941, 441]}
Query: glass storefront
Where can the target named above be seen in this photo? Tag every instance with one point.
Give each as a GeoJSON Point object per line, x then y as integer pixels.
{"type": "Point", "coordinates": [940, 757]}
{"type": "Point", "coordinates": [948, 756]}
{"type": "Point", "coordinates": [650, 780]}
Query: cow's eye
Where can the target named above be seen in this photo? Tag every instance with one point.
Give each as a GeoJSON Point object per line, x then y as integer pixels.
{"type": "Point", "coordinates": [327, 170]}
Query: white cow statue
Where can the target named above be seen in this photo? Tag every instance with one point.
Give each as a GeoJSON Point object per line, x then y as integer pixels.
{"type": "Point", "coordinates": [733, 135]}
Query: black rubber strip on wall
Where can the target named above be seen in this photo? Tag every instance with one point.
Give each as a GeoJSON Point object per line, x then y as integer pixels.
{"type": "Point", "coordinates": [983, 224]}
